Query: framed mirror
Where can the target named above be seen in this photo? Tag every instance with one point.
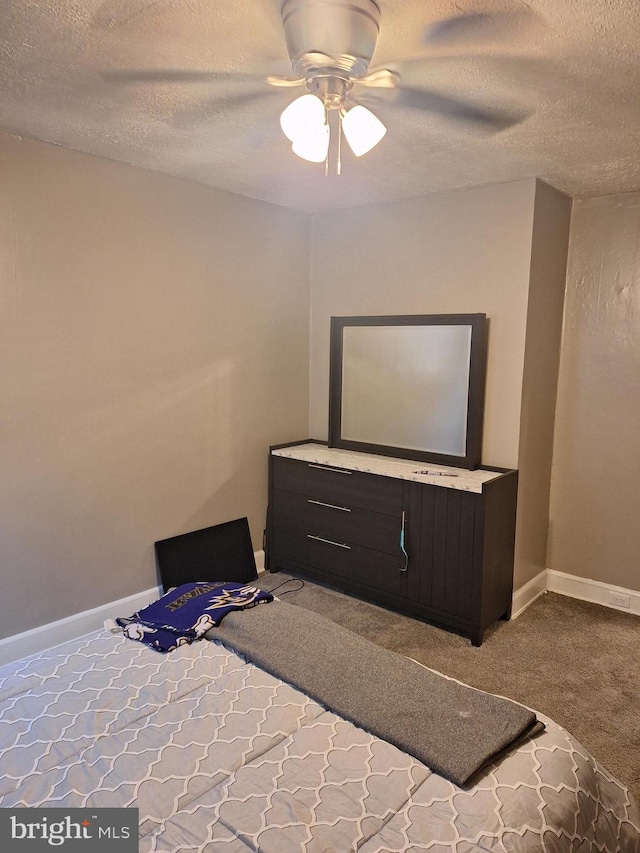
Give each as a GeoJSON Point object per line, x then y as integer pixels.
{"type": "Point", "coordinates": [409, 386]}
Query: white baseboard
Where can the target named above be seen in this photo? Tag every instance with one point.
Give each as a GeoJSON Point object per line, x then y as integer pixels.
{"type": "Point", "coordinates": [527, 594]}
{"type": "Point", "coordinates": [550, 580]}
{"type": "Point", "coordinates": [53, 634]}
{"type": "Point", "coordinates": [595, 591]}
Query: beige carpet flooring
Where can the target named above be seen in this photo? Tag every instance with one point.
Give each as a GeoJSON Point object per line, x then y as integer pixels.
{"type": "Point", "coordinates": [576, 662]}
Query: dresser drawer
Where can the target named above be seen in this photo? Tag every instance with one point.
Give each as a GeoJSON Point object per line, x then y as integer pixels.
{"type": "Point", "coordinates": [355, 565]}
{"type": "Point", "coordinates": [352, 525]}
{"type": "Point", "coordinates": [338, 486]}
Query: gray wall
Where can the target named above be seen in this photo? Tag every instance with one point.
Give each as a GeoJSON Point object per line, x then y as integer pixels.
{"type": "Point", "coordinates": [153, 343]}
{"type": "Point", "coordinates": [595, 491]}
{"type": "Point", "coordinates": [551, 224]}
{"type": "Point", "coordinates": [462, 252]}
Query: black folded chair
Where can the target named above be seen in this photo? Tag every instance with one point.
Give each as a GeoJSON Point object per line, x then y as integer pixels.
{"type": "Point", "coordinates": [219, 553]}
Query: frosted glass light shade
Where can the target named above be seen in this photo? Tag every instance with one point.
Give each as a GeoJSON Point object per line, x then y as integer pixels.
{"type": "Point", "coordinates": [313, 144]}
{"type": "Point", "coordinates": [362, 130]}
{"type": "Point", "coordinates": [305, 112]}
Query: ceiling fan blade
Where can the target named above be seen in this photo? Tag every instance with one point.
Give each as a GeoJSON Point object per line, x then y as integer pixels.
{"type": "Point", "coordinates": [214, 108]}
{"type": "Point", "coordinates": [490, 119]}
{"type": "Point", "coordinates": [502, 61]}
{"type": "Point", "coordinates": [480, 27]}
{"type": "Point", "coordinates": [381, 78]}
{"type": "Point", "coordinates": [527, 77]}
{"type": "Point", "coordinates": [175, 75]}
{"type": "Point", "coordinates": [161, 76]}
{"type": "Point", "coordinates": [284, 82]}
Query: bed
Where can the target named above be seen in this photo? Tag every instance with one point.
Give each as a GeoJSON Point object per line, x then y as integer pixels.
{"type": "Point", "coordinates": [218, 754]}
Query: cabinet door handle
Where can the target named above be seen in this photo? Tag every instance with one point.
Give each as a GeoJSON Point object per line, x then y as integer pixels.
{"type": "Point", "coordinates": [327, 468]}
{"type": "Point", "coordinates": [402, 548]}
{"type": "Point", "coordinates": [331, 506]}
{"type": "Point", "coordinates": [329, 541]}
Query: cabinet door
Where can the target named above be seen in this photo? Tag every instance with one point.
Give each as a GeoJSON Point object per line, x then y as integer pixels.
{"type": "Point", "coordinates": [446, 574]}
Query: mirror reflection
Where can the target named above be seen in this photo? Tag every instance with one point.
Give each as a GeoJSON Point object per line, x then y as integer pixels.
{"type": "Point", "coordinates": [406, 386]}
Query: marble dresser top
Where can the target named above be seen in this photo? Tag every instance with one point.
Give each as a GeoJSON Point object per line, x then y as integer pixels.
{"type": "Point", "coordinates": [402, 469]}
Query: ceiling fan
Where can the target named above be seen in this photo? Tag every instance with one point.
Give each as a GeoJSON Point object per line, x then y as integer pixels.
{"type": "Point", "coordinates": [330, 45]}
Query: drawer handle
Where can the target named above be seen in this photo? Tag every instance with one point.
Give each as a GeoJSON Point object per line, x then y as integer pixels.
{"type": "Point", "coordinates": [329, 542]}
{"type": "Point", "coordinates": [327, 468]}
{"type": "Point", "coordinates": [331, 506]}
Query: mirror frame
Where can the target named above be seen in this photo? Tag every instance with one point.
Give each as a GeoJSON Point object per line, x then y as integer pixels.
{"type": "Point", "coordinates": [476, 392]}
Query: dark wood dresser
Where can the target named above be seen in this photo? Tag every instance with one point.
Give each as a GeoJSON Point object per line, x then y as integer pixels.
{"type": "Point", "coordinates": [436, 545]}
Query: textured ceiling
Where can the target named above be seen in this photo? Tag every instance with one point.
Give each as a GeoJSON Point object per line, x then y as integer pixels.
{"type": "Point", "coordinates": [573, 66]}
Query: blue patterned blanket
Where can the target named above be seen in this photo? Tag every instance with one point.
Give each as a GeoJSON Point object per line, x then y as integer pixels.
{"type": "Point", "coordinates": [187, 612]}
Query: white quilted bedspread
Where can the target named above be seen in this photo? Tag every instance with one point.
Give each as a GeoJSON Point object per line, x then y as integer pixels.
{"type": "Point", "coordinates": [220, 756]}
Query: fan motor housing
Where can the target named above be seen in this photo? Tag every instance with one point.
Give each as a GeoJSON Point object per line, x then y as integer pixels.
{"type": "Point", "coordinates": [331, 35]}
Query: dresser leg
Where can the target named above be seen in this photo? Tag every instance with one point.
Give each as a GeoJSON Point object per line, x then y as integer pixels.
{"type": "Point", "coordinates": [476, 636]}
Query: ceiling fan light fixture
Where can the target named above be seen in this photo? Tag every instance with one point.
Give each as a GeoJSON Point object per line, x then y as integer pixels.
{"type": "Point", "coordinates": [362, 129]}
{"type": "Point", "coordinates": [304, 113]}
{"type": "Point", "coordinates": [312, 144]}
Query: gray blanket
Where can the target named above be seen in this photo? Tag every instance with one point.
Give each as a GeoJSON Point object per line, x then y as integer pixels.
{"type": "Point", "coordinates": [452, 728]}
